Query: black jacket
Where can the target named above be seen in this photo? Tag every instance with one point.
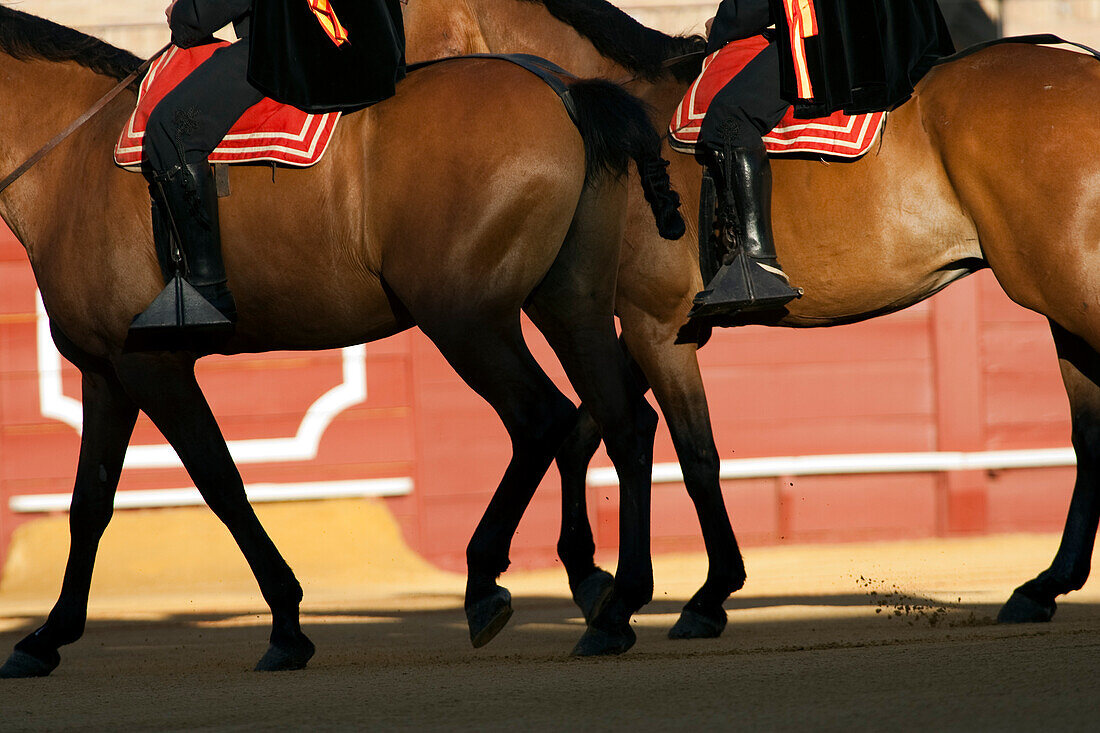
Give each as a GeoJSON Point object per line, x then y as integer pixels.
{"type": "Point", "coordinates": [193, 21]}
{"type": "Point", "coordinates": [867, 55]}
{"type": "Point", "coordinates": [737, 19]}
{"type": "Point", "coordinates": [293, 60]}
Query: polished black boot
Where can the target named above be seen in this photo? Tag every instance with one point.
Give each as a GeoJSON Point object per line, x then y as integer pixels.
{"type": "Point", "coordinates": [750, 278]}
{"type": "Point", "coordinates": [196, 305]}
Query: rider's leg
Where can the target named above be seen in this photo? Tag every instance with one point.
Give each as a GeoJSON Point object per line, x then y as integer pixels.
{"type": "Point", "coordinates": [745, 110]}
{"type": "Point", "coordinates": [182, 131]}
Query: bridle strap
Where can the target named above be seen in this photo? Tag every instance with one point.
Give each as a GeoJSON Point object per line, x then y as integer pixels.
{"type": "Point", "coordinates": [665, 65]}
{"type": "Point", "coordinates": [92, 111]}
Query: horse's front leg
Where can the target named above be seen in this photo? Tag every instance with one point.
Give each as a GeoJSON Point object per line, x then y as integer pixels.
{"type": "Point", "coordinates": [589, 583]}
{"type": "Point", "coordinates": [164, 387]}
{"type": "Point", "coordinates": [673, 372]}
{"type": "Point", "coordinates": [1034, 600]}
{"type": "Point", "coordinates": [109, 416]}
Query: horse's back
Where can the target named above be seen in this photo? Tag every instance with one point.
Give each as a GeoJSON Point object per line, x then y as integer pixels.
{"type": "Point", "coordinates": [1015, 126]}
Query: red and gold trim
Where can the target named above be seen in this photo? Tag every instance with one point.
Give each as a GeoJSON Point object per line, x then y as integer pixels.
{"type": "Point", "coordinates": [802, 22]}
{"type": "Point", "coordinates": [326, 16]}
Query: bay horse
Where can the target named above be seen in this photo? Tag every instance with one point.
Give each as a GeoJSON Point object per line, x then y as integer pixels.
{"type": "Point", "coordinates": [421, 214]}
{"type": "Point", "coordinates": [991, 164]}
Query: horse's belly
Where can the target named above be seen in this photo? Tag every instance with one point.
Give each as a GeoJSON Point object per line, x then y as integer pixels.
{"type": "Point", "coordinates": [874, 235]}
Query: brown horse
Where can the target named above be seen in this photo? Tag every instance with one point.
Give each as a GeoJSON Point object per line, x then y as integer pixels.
{"type": "Point", "coordinates": [989, 165]}
{"type": "Point", "coordinates": [422, 214]}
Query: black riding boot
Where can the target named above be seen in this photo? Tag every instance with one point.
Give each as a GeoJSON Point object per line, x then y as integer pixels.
{"type": "Point", "coordinates": [750, 278]}
{"type": "Point", "coordinates": [196, 302]}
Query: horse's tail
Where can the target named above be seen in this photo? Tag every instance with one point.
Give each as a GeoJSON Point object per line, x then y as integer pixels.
{"type": "Point", "coordinates": [616, 129]}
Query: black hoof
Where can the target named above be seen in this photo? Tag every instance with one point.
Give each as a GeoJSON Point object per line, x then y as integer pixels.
{"type": "Point", "coordinates": [597, 642]}
{"type": "Point", "coordinates": [695, 625]}
{"type": "Point", "coordinates": [285, 658]}
{"type": "Point", "coordinates": [488, 616]}
{"type": "Point", "coordinates": [1020, 609]}
{"type": "Point", "coordinates": [591, 594]}
{"type": "Point", "coordinates": [21, 664]}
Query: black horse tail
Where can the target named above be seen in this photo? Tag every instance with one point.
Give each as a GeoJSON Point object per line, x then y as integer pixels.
{"type": "Point", "coordinates": [616, 129]}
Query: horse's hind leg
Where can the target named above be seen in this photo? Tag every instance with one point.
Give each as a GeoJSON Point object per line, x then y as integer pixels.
{"type": "Point", "coordinates": [1034, 600]}
{"type": "Point", "coordinates": [493, 359]}
{"type": "Point", "coordinates": [109, 417]}
{"type": "Point", "coordinates": [165, 388]}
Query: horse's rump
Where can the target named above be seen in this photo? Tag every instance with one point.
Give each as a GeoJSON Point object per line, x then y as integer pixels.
{"type": "Point", "coordinates": [420, 192]}
{"type": "Point", "coordinates": [1025, 173]}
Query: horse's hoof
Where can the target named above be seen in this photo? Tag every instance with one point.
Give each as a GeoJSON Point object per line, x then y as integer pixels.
{"type": "Point", "coordinates": [695, 625]}
{"type": "Point", "coordinates": [286, 658]}
{"type": "Point", "coordinates": [591, 594]}
{"type": "Point", "coordinates": [1020, 609]}
{"type": "Point", "coordinates": [598, 642]}
{"type": "Point", "coordinates": [21, 664]}
{"type": "Point", "coordinates": [488, 616]}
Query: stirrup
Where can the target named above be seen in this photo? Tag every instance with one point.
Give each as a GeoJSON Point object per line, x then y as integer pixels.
{"type": "Point", "coordinates": [744, 285]}
{"type": "Point", "coordinates": [179, 317]}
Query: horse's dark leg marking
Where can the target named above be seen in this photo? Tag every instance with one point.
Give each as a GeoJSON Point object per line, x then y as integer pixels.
{"type": "Point", "coordinates": [164, 387]}
{"type": "Point", "coordinates": [495, 362]}
{"type": "Point", "coordinates": [573, 308]}
{"type": "Point", "coordinates": [589, 583]}
{"type": "Point", "coordinates": [1034, 600]}
{"type": "Point", "coordinates": [109, 417]}
{"type": "Point", "coordinates": [627, 422]}
{"type": "Point", "coordinates": [678, 387]}
{"type": "Point", "coordinates": [683, 402]}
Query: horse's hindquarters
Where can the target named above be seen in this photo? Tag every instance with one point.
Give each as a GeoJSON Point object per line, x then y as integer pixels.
{"type": "Point", "coordinates": [476, 171]}
{"type": "Point", "coordinates": [1015, 126]}
{"type": "Point", "coordinates": [459, 190]}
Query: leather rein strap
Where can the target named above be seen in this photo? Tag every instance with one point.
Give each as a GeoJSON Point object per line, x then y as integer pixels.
{"type": "Point", "coordinates": [79, 121]}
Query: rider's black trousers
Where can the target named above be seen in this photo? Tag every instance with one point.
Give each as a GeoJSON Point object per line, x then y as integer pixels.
{"type": "Point", "coordinates": [748, 107]}
{"type": "Point", "coordinates": [192, 119]}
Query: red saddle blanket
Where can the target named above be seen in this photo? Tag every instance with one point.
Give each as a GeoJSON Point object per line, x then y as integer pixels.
{"type": "Point", "coordinates": [839, 135]}
{"type": "Point", "coordinates": [268, 131]}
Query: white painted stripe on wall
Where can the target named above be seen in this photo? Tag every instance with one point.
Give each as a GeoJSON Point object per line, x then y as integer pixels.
{"type": "Point", "coordinates": [302, 446]}
{"type": "Point", "coordinates": [860, 463]}
{"type": "Point", "coordinates": [157, 498]}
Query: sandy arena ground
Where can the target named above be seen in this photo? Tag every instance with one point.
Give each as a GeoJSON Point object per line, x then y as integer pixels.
{"type": "Point", "coordinates": [873, 636]}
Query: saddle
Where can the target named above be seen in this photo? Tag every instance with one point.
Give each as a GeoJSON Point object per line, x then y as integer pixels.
{"type": "Point", "coordinates": [838, 135]}
{"type": "Point", "coordinates": [268, 132]}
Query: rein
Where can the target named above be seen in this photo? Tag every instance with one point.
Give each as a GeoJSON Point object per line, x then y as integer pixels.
{"type": "Point", "coordinates": [79, 121]}
{"type": "Point", "coordinates": [666, 64]}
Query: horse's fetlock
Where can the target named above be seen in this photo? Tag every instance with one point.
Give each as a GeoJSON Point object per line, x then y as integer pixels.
{"type": "Point", "coordinates": [634, 593]}
{"type": "Point", "coordinates": [484, 563]}
{"type": "Point", "coordinates": [1077, 579]}
{"type": "Point", "coordinates": [578, 559]}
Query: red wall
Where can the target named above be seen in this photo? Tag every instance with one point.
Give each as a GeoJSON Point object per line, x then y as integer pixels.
{"type": "Point", "coordinates": [965, 371]}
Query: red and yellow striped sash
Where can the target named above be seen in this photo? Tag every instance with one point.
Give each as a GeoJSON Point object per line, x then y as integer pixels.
{"type": "Point", "coordinates": [326, 16]}
{"type": "Point", "coordinates": [802, 22]}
